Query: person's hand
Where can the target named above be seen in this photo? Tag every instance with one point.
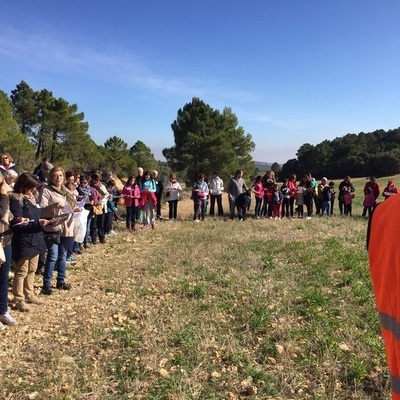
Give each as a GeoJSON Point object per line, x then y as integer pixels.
{"type": "Point", "coordinates": [44, 222]}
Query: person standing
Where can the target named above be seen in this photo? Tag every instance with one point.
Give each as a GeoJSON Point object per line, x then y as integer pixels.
{"type": "Point", "coordinates": [344, 187]}
{"type": "Point", "coordinates": [384, 263]}
{"type": "Point", "coordinates": [258, 190]}
{"type": "Point", "coordinates": [368, 203]}
{"type": "Point", "coordinates": [159, 192]}
{"type": "Point", "coordinates": [374, 185]}
{"type": "Point", "coordinates": [203, 186]}
{"type": "Point", "coordinates": [28, 239]}
{"type": "Point", "coordinates": [172, 193]}
{"type": "Point", "coordinates": [293, 193]}
{"type": "Point", "coordinates": [390, 190]}
{"type": "Point", "coordinates": [5, 242]}
{"type": "Point", "coordinates": [148, 200]}
{"type": "Point", "coordinates": [235, 188]}
{"type": "Point", "coordinates": [57, 195]}
{"type": "Point", "coordinates": [216, 188]}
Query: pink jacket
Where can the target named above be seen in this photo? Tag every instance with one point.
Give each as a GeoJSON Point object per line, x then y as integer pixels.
{"type": "Point", "coordinates": [131, 195]}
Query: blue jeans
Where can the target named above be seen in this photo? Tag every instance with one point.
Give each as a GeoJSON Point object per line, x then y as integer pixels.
{"type": "Point", "coordinates": [56, 255]}
{"type": "Point", "coordinates": [326, 207]}
{"type": "Point", "coordinates": [4, 270]}
{"type": "Point", "coordinates": [258, 210]}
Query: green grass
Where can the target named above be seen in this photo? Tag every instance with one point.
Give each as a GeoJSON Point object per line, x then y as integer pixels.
{"type": "Point", "coordinates": [217, 310]}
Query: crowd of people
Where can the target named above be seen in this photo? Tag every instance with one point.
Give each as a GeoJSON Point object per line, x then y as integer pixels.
{"type": "Point", "coordinates": [48, 216]}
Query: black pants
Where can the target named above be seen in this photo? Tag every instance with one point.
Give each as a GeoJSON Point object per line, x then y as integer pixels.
{"type": "Point", "coordinates": [173, 207]}
{"type": "Point", "coordinates": [218, 198]}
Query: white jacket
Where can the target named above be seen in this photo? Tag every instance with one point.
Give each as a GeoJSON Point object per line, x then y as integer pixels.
{"type": "Point", "coordinates": [173, 189]}
{"type": "Point", "coordinates": [216, 186]}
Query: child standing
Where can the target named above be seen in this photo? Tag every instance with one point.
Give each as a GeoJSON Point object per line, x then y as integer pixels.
{"type": "Point", "coordinates": [197, 197]}
{"type": "Point", "coordinates": [242, 202]}
{"type": "Point", "coordinates": [348, 201]}
{"type": "Point", "coordinates": [286, 199]}
{"type": "Point", "coordinates": [258, 193]}
{"type": "Point", "coordinates": [300, 201]}
{"type": "Point", "coordinates": [368, 203]}
{"type": "Point", "coordinates": [277, 199]}
{"type": "Point", "coordinates": [333, 195]}
{"type": "Point", "coordinates": [326, 196]}
{"type": "Point", "coordinates": [131, 195]}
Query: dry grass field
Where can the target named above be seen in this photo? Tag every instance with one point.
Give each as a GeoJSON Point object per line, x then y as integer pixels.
{"type": "Point", "coordinates": [260, 309]}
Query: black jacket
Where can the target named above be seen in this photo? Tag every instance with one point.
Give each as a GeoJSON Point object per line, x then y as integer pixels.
{"type": "Point", "coordinates": [28, 239]}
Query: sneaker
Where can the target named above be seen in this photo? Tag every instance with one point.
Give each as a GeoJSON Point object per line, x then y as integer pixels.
{"type": "Point", "coordinates": [7, 319]}
{"type": "Point", "coordinates": [112, 232]}
{"type": "Point", "coordinates": [85, 246]}
{"type": "Point", "coordinates": [34, 300]}
{"type": "Point", "coordinates": [71, 260]}
{"type": "Point", "coordinates": [2, 327]}
{"type": "Point", "coordinates": [47, 291]}
{"type": "Point", "coordinates": [22, 306]}
{"type": "Point", "coordinates": [64, 286]}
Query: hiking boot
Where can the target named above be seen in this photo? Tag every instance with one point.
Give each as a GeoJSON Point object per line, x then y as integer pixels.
{"type": "Point", "coordinates": [7, 319]}
{"type": "Point", "coordinates": [22, 306]}
{"type": "Point", "coordinates": [47, 291]}
{"type": "Point", "coordinates": [64, 286]}
{"type": "Point", "coordinates": [34, 300]}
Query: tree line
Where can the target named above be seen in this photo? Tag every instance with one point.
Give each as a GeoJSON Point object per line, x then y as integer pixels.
{"type": "Point", "coordinates": [364, 154]}
{"type": "Point", "coordinates": [34, 124]}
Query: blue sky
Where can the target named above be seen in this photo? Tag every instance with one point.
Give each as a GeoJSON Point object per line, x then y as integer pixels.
{"type": "Point", "coordinates": [292, 71]}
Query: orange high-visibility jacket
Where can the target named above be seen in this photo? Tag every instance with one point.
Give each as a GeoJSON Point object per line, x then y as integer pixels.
{"type": "Point", "coordinates": [384, 261]}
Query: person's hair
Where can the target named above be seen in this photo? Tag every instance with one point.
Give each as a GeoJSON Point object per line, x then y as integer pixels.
{"type": "Point", "coordinates": [110, 183]}
{"type": "Point", "coordinates": [26, 181]}
{"type": "Point", "coordinates": [84, 178]}
{"type": "Point", "coordinates": [140, 169]}
{"type": "Point", "coordinates": [276, 186]}
{"type": "Point", "coordinates": [130, 180]}
{"type": "Point", "coordinates": [95, 177]}
{"type": "Point", "coordinates": [215, 173]}
{"type": "Point", "coordinates": [292, 177]}
{"type": "Point", "coordinates": [10, 174]}
{"type": "Point", "coordinates": [147, 173]}
{"type": "Point", "coordinates": [172, 175]}
{"type": "Point", "coordinates": [331, 183]}
{"type": "Point", "coordinates": [155, 172]}
{"type": "Point", "coordinates": [258, 178]}
{"type": "Point", "coordinates": [285, 181]}
{"type": "Point", "coordinates": [69, 174]}
{"type": "Point", "coordinates": [200, 175]}
{"type": "Point", "coordinates": [53, 172]}
{"type": "Point", "coordinates": [239, 171]}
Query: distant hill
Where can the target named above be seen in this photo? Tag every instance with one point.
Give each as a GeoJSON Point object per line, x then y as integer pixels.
{"type": "Point", "coordinates": [263, 166]}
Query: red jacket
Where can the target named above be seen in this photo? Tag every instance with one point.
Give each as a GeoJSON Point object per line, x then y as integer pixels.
{"type": "Point", "coordinates": [146, 196]}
